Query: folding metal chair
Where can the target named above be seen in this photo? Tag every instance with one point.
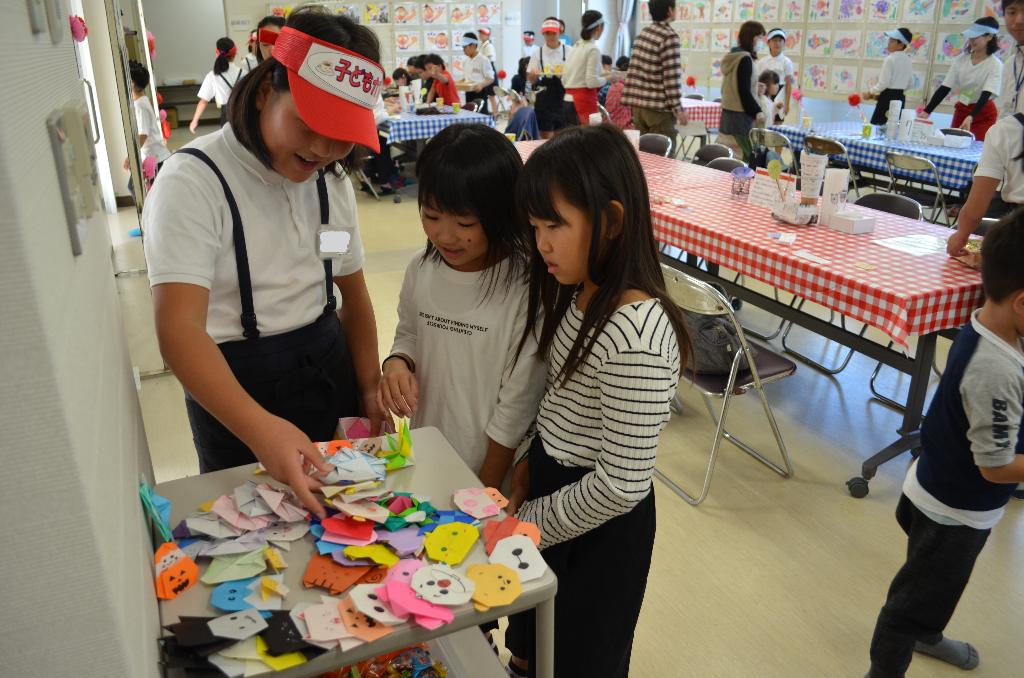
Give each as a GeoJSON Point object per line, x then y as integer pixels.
{"type": "Point", "coordinates": [658, 144]}
{"type": "Point", "coordinates": [893, 203]}
{"type": "Point", "coordinates": [709, 152]}
{"type": "Point", "coordinates": [759, 136]}
{"type": "Point", "coordinates": [726, 164]}
{"type": "Point", "coordinates": [913, 164]}
{"type": "Point", "coordinates": [831, 147]}
{"type": "Point", "coordinates": [768, 366]}
{"type": "Point", "coordinates": [605, 115]}
{"type": "Point", "coordinates": [695, 95]}
{"type": "Point", "coordinates": [693, 133]}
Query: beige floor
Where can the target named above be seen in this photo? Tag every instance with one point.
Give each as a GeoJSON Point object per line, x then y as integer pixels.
{"type": "Point", "coordinates": [770, 577]}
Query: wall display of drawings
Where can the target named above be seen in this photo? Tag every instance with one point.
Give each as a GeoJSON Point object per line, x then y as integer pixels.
{"type": "Point", "coordinates": [840, 43]}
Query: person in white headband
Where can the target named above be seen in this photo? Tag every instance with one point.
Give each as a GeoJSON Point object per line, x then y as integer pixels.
{"type": "Point", "coordinates": [782, 65]}
{"type": "Point", "coordinates": [583, 77]}
{"type": "Point", "coordinates": [895, 77]}
{"type": "Point", "coordinates": [477, 70]}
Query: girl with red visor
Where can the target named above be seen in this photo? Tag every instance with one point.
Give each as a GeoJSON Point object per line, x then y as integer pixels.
{"type": "Point", "coordinates": [255, 258]}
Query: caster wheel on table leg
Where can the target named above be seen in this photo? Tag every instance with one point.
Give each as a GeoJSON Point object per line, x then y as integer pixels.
{"type": "Point", "coordinates": [858, 487]}
{"type": "Point", "coordinates": [397, 198]}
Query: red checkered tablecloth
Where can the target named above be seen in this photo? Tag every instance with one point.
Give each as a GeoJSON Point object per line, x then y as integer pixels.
{"type": "Point", "coordinates": [896, 292]}
{"type": "Point", "coordinates": [707, 112]}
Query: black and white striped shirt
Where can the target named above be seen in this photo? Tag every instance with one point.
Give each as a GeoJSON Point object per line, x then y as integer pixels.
{"type": "Point", "coordinates": [607, 418]}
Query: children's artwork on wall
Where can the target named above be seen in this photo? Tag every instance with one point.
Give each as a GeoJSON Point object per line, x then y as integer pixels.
{"type": "Point", "coordinates": [850, 10]}
{"type": "Point", "coordinates": [949, 47]}
{"type": "Point", "coordinates": [876, 45]}
{"type": "Point", "coordinates": [1006, 48]}
{"type": "Point", "coordinates": [846, 44]}
{"type": "Point", "coordinates": [818, 43]}
{"type": "Point", "coordinates": [869, 75]}
{"type": "Point", "coordinates": [434, 14]}
{"type": "Point", "coordinates": [700, 11]}
{"type": "Point", "coordinates": [920, 46]}
{"type": "Point", "coordinates": [957, 10]}
{"type": "Point", "coordinates": [992, 8]}
{"type": "Point", "coordinates": [461, 14]}
{"type": "Point", "coordinates": [723, 11]}
{"type": "Point", "coordinates": [792, 10]}
{"type": "Point", "coordinates": [716, 69]}
{"type": "Point", "coordinates": [489, 14]}
{"type": "Point", "coordinates": [685, 38]}
{"type": "Point", "coordinates": [768, 11]}
{"type": "Point", "coordinates": [645, 13]}
{"type": "Point", "coordinates": [917, 80]}
{"type": "Point", "coordinates": [936, 82]}
{"type": "Point", "coordinates": [744, 10]}
{"type": "Point", "coordinates": [456, 37]}
{"type": "Point", "coordinates": [375, 13]}
{"type": "Point", "coordinates": [458, 66]}
{"type": "Point", "coordinates": [408, 41]}
{"type": "Point", "coordinates": [794, 41]}
{"type": "Point", "coordinates": [816, 77]}
{"type": "Point", "coordinates": [406, 14]}
{"type": "Point", "coordinates": [437, 41]}
{"type": "Point", "coordinates": [844, 79]}
{"type": "Point", "coordinates": [884, 10]}
{"type": "Point", "coordinates": [720, 40]}
{"type": "Point", "coordinates": [819, 11]}
{"type": "Point", "coordinates": [700, 38]}
{"type": "Point", "coordinates": [919, 11]}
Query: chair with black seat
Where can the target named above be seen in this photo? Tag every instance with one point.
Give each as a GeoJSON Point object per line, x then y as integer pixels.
{"type": "Point", "coordinates": [726, 164]}
{"type": "Point", "coordinates": [832, 148]}
{"type": "Point", "coordinates": [750, 371]}
{"type": "Point", "coordinates": [658, 144]}
{"type": "Point", "coordinates": [910, 169]}
{"type": "Point", "coordinates": [696, 95]}
{"type": "Point", "coordinates": [761, 137]}
{"type": "Point", "coordinates": [709, 152]}
{"type": "Point", "coordinates": [893, 203]}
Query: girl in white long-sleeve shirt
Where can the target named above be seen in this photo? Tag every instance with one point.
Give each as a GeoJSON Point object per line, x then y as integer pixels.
{"type": "Point", "coordinates": [895, 77]}
{"type": "Point", "coordinates": [583, 76]}
{"type": "Point", "coordinates": [463, 304]}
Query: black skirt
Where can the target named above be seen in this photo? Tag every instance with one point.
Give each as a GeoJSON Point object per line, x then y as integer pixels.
{"type": "Point", "coordinates": [305, 376]}
{"type": "Point", "coordinates": [594, 622]}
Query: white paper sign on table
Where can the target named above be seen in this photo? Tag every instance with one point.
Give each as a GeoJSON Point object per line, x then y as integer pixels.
{"type": "Point", "coordinates": [833, 197]}
{"type": "Point", "coordinates": [765, 191]}
{"type": "Point", "coordinates": [918, 245]}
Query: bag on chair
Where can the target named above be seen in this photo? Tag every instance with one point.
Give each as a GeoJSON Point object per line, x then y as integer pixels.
{"type": "Point", "coordinates": [715, 342]}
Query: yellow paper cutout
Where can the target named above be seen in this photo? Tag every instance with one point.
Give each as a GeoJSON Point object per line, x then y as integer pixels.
{"type": "Point", "coordinates": [207, 507]}
{"type": "Point", "coordinates": [270, 586]}
{"type": "Point", "coordinates": [496, 585]}
{"type": "Point", "coordinates": [274, 558]}
{"type": "Point", "coordinates": [451, 543]}
{"type": "Point", "coordinates": [281, 661]}
{"type": "Point", "coordinates": [378, 553]}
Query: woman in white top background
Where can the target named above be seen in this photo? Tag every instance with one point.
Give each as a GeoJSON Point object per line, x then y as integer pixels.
{"type": "Point", "coordinates": [252, 235]}
{"type": "Point", "coordinates": [895, 77]}
{"type": "Point", "coordinates": [584, 77]}
{"type": "Point", "coordinates": [978, 74]}
{"type": "Point", "coordinates": [218, 83]}
{"type": "Point", "coordinates": [781, 64]}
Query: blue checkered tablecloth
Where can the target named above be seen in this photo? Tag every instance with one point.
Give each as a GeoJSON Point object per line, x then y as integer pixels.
{"type": "Point", "coordinates": [411, 126]}
{"type": "Point", "coordinates": [955, 165]}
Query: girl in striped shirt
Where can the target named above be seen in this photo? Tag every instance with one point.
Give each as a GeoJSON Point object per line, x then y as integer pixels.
{"type": "Point", "coordinates": [615, 343]}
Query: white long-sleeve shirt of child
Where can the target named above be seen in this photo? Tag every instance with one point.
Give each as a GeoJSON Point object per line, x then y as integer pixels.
{"type": "Point", "coordinates": [583, 67]}
{"type": "Point", "coordinates": [463, 344]}
{"type": "Point", "coordinates": [896, 73]}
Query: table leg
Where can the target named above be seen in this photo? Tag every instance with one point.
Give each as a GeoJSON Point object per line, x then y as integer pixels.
{"type": "Point", "coordinates": [910, 434]}
{"type": "Point", "coordinates": [545, 641]}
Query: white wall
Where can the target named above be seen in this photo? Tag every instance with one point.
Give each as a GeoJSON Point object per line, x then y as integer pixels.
{"type": "Point", "coordinates": [77, 569]}
{"type": "Point", "coordinates": [106, 92]}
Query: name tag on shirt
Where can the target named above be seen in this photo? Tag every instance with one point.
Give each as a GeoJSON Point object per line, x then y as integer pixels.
{"type": "Point", "coordinates": [333, 243]}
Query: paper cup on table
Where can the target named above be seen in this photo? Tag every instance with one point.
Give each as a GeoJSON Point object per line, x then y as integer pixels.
{"type": "Point", "coordinates": [634, 137]}
{"type": "Point", "coordinates": [833, 198]}
{"type": "Point", "coordinates": [440, 102]}
{"type": "Point", "coordinates": [595, 119]}
{"type": "Point", "coordinates": [812, 174]}
{"type": "Point", "coordinates": [455, 107]}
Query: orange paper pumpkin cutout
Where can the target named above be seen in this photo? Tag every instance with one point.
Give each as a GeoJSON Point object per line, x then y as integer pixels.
{"type": "Point", "coordinates": [175, 571]}
{"type": "Point", "coordinates": [322, 571]}
{"type": "Point", "coordinates": [359, 625]}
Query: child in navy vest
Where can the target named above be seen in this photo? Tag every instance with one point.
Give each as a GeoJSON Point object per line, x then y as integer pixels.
{"type": "Point", "coordinates": [970, 464]}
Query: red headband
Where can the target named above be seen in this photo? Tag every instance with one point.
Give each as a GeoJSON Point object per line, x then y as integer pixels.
{"type": "Point", "coordinates": [230, 54]}
{"type": "Point", "coordinates": [268, 37]}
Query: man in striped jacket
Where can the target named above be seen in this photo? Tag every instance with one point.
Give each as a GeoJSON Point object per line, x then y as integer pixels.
{"type": "Point", "coordinates": [653, 88]}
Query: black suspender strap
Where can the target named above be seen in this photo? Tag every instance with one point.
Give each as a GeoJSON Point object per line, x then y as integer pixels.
{"type": "Point", "coordinates": [248, 318]}
{"type": "Point", "coordinates": [325, 218]}
{"type": "Point", "coordinates": [230, 86]}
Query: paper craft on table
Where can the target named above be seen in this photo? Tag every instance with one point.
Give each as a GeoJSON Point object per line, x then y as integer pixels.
{"type": "Point", "coordinates": [340, 558]}
{"type": "Point", "coordinates": [238, 625]}
{"type": "Point", "coordinates": [378, 553]}
{"type": "Point", "coordinates": [210, 525]}
{"type": "Point", "coordinates": [230, 596]}
{"type": "Point", "coordinates": [249, 502]}
{"type": "Point", "coordinates": [520, 554]}
{"type": "Point", "coordinates": [258, 599]}
{"type": "Point", "coordinates": [441, 585]}
{"type": "Point", "coordinates": [479, 502]}
{"type": "Point", "coordinates": [404, 602]}
{"type": "Point", "coordinates": [406, 541]}
{"type": "Point", "coordinates": [359, 625]}
{"type": "Point", "coordinates": [282, 635]}
{"type": "Point", "coordinates": [273, 586]}
{"type": "Point", "coordinates": [355, 428]}
{"type": "Point", "coordinates": [917, 245]}
{"type": "Point", "coordinates": [364, 509]}
{"type": "Point", "coordinates": [248, 542]}
{"type": "Point", "coordinates": [322, 571]}
{"type": "Point", "coordinates": [451, 543]}
{"type": "Point", "coordinates": [243, 650]}
{"type": "Point", "coordinates": [297, 615]}
{"type": "Point", "coordinates": [366, 600]}
{"type": "Point", "coordinates": [496, 585]}
{"type": "Point", "coordinates": [496, 530]}
{"type": "Point", "coordinates": [359, 530]}
{"type": "Point", "coordinates": [324, 622]}
{"type": "Point", "coordinates": [175, 571]}
{"type": "Point", "coordinates": [274, 558]}
{"type": "Point", "coordinates": [282, 503]}
{"type": "Point", "coordinates": [229, 568]}
{"type": "Point", "coordinates": [224, 507]}
{"type": "Point", "coordinates": [158, 509]}
{"type": "Point", "coordinates": [278, 662]}
{"type": "Point", "coordinates": [404, 570]}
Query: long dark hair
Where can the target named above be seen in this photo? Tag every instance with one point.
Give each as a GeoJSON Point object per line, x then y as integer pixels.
{"type": "Point", "coordinates": [589, 167]}
{"type": "Point", "coordinates": [269, 20]}
{"type": "Point", "coordinates": [589, 17]}
{"type": "Point", "coordinates": [221, 63]}
{"type": "Point", "coordinates": [337, 29]}
{"type": "Point", "coordinates": [749, 31]}
{"type": "Point", "coordinates": [470, 170]}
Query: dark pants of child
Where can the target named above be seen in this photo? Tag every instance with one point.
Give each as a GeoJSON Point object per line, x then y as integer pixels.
{"type": "Point", "coordinates": [602, 576]}
{"type": "Point", "coordinates": [926, 590]}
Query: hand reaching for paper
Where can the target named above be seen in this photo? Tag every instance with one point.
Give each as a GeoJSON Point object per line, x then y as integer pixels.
{"type": "Point", "coordinates": [289, 456]}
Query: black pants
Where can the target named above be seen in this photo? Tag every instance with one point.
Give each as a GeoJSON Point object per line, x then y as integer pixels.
{"type": "Point", "coordinates": [926, 590]}
{"type": "Point", "coordinates": [381, 168]}
{"type": "Point", "coordinates": [881, 113]}
{"type": "Point", "coordinates": [305, 376]}
{"type": "Point", "coordinates": [594, 621]}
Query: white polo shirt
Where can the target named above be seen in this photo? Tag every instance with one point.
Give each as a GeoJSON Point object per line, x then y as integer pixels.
{"type": "Point", "coordinates": [1003, 143]}
{"type": "Point", "coordinates": [897, 72]}
{"type": "Point", "coordinates": [248, 63]}
{"type": "Point", "coordinates": [215, 89]}
{"type": "Point", "coordinates": [973, 79]}
{"type": "Point", "coordinates": [1011, 99]}
{"type": "Point", "coordinates": [552, 57]}
{"type": "Point", "coordinates": [781, 64]}
{"type": "Point", "coordinates": [189, 236]}
{"type": "Point", "coordinates": [148, 124]}
{"type": "Point", "coordinates": [478, 69]}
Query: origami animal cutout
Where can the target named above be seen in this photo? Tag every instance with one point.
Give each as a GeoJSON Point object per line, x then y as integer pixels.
{"type": "Point", "coordinates": [520, 554]}
{"type": "Point", "coordinates": [365, 598]}
{"type": "Point", "coordinates": [230, 568]}
{"type": "Point", "coordinates": [324, 622]}
{"type": "Point", "coordinates": [279, 662]}
{"type": "Point", "coordinates": [476, 502]}
{"type": "Point", "coordinates": [348, 527]}
{"type": "Point", "coordinates": [378, 553]}
{"type": "Point", "coordinates": [230, 596]}
{"type": "Point", "coordinates": [496, 585]}
{"type": "Point", "coordinates": [282, 635]}
{"type": "Point", "coordinates": [193, 632]}
{"type": "Point", "coordinates": [238, 625]}
{"type": "Point", "coordinates": [405, 541]}
{"type": "Point", "coordinates": [442, 585]}
{"type": "Point", "coordinates": [359, 625]}
{"type": "Point", "coordinates": [451, 543]}
{"type": "Point", "coordinates": [376, 575]}
{"type": "Point", "coordinates": [364, 509]}
{"type": "Point", "coordinates": [175, 571]}
{"type": "Point", "coordinates": [496, 496]}
{"type": "Point", "coordinates": [286, 532]}
{"type": "Point", "coordinates": [496, 530]}
{"type": "Point", "coordinates": [322, 571]}
{"type": "Point", "coordinates": [404, 602]}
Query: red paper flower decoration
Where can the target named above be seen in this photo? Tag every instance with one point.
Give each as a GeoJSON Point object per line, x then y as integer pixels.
{"type": "Point", "coordinates": [79, 31]}
{"type": "Point", "coordinates": [151, 41]}
{"type": "Point", "coordinates": [690, 81]}
{"type": "Point", "coordinates": [159, 99]}
{"type": "Point", "coordinates": [502, 75]}
{"type": "Point", "coordinates": [387, 80]}
{"type": "Point", "coordinates": [854, 99]}
{"type": "Point", "coordinates": [797, 94]}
